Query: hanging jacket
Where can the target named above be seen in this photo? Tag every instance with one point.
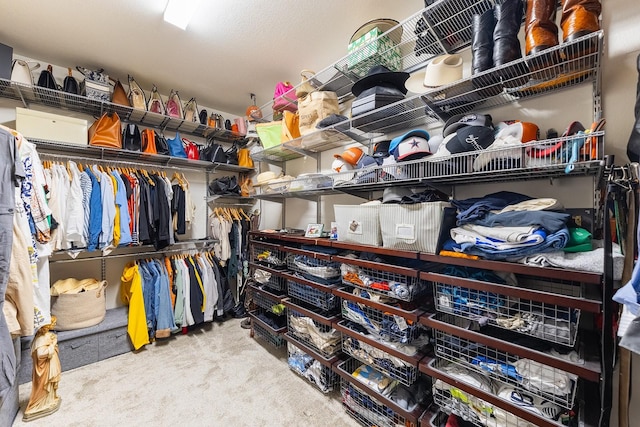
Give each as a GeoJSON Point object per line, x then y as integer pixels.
{"type": "Point", "coordinates": [131, 295]}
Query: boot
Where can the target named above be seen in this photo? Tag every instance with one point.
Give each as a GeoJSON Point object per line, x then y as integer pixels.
{"type": "Point", "coordinates": [633, 146]}
{"type": "Point", "coordinates": [482, 28]}
{"type": "Point", "coordinates": [506, 46]}
{"type": "Point", "coordinates": [541, 33]}
{"type": "Point", "coordinates": [540, 27]}
{"type": "Point", "coordinates": [579, 18]}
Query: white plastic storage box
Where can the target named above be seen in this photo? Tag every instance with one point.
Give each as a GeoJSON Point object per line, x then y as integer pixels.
{"type": "Point", "coordinates": [52, 127]}
{"type": "Point", "coordinates": [414, 227]}
{"type": "Point", "coordinates": [359, 223]}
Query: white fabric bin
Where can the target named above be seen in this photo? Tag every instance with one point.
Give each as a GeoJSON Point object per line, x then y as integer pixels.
{"type": "Point", "coordinates": [358, 223]}
{"type": "Point", "coordinates": [52, 127]}
{"type": "Point", "coordinates": [414, 227]}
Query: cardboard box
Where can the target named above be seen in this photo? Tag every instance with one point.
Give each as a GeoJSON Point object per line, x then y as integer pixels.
{"type": "Point", "coordinates": [52, 127]}
{"type": "Point", "coordinates": [370, 50]}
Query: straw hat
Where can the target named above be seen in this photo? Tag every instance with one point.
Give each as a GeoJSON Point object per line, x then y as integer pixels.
{"type": "Point", "coordinates": [264, 178]}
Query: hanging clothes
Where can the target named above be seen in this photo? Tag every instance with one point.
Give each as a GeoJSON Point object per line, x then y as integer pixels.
{"type": "Point", "coordinates": [131, 294]}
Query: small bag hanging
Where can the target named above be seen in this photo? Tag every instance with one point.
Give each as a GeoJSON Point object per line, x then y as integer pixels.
{"type": "Point", "coordinates": [176, 149]}
{"type": "Point", "coordinates": [155, 104]}
{"type": "Point", "coordinates": [131, 139]}
{"type": "Point", "coordinates": [290, 126]}
{"type": "Point", "coordinates": [137, 97]}
{"type": "Point", "coordinates": [70, 84]}
{"type": "Point", "coordinates": [148, 137]}
{"type": "Point", "coordinates": [21, 71]}
{"type": "Point", "coordinates": [174, 105]}
{"type": "Point", "coordinates": [191, 148]}
{"type": "Point", "coordinates": [106, 131]}
{"type": "Point", "coordinates": [47, 80]}
{"type": "Point", "coordinates": [95, 84]}
{"type": "Point", "coordinates": [191, 111]}
{"type": "Point", "coordinates": [120, 95]}
{"type": "Point", "coordinates": [244, 158]}
{"type": "Point", "coordinates": [270, 133]}
{"type": "Point", "coordinates": [246, 185]}
{"type": "Point", "coordinates": [284, 97]}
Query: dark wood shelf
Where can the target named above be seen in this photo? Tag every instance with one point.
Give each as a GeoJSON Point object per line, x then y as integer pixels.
{"type": "Point", "coordinates": [404, 271]}
{"type": "Point", "coordinates": [412, 315]}
{"type": "Point", "coordinates": [325, 320]}
{"type": "Point", "coordinates": [311, 352]}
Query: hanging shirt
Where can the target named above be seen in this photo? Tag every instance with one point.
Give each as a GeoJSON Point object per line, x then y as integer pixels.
{"type": "Point", "coordinates": [131, 295]}
{"type": "Point", "coordinates": [108, 211]}
{"type": "Point", "coordinates": [85, 186]}
{"type": "Point", "coordinates": [75, 215]}
{"type": "Point", "coordinates": [123, 209]}
{"type": "Point", "coordinates": [95, 211]}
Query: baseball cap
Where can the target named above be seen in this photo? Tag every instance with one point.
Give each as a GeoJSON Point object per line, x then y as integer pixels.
{"type": "Point", "coordinates": [414, 144]}
{"type": "Point", "coordinates": [510, 135]}
{"type": "Point", "coordinates": [381, 149]}
{"type": "Point", "coordinates": [351, 155]}
{"type": "Point", "coordinates": [470, 138]}
{"type": "Point", "coordinates": [470, 119]}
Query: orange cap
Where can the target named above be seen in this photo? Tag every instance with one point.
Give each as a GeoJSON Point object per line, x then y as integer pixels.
{"type": "Point", "coordinates": [351, 156]}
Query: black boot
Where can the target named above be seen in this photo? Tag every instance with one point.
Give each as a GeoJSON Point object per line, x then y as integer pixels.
{"type": "Point", "coordinates": [506, 46]}
{"type": "Point", "coordinates": [482, 27]}
{"type": "Point", "coordinates": [633, 146]}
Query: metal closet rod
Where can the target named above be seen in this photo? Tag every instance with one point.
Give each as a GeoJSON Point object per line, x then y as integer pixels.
{"type": "Point", "coordinates": [139, 254]}
{"type": "Point", "coordinates": [116, 163]}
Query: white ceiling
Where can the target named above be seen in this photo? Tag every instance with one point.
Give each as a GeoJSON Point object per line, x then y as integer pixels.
{"type": "Point", "coordinates": [230, 49]}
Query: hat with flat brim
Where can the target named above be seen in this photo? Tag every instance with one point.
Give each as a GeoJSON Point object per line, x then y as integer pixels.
{"type": "Point", "coordinates": [384, 25]}
{"type": "Point", "coordinates": [442, 70]}
{"type": "Point", "coordinates": [265, 178]}
{"type": "Point", "coordinates": [379, 75]}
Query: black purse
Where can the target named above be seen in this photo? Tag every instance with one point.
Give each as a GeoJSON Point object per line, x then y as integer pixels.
{"type": "Point", "coordinates": [162, 147]}
{"type": "Point", "coordinates": [232, 155]}
{"type": "Point", "coordinates": [224, 186]}
{"type": "Point", "coordinates": [213, 153]}
{"type": "Point", "coordinates": [47, 80]}
{"type": "Point", "coordinates": [131, 139]}
{"type": "Point", "coordinates": [70, 84]}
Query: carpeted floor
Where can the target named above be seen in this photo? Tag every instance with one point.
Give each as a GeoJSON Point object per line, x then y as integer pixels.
{"type": "Point", "coordinates": [215, 376]}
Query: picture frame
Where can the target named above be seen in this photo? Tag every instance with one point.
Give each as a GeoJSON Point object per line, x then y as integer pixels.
{"type": "Point", "coordinates": [314, 230]}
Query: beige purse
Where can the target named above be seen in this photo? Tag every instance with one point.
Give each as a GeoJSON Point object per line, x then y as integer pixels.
{"type": "Point", "coordinates": [314, 107]}
{"type": "Point", "coordinates": [78, 303]}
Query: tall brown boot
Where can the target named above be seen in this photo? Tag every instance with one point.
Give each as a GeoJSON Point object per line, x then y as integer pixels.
{"type": "Point", "coordinates": [541, 33]}
{"type": "Point", "coordinates": [540, 30]}
{"type": "Point", "coordinates": [579, 18]}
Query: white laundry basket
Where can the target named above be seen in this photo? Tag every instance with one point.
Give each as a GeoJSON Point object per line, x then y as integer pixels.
{"type": "Point", "coordinates": [359, 223]}
{"type": "Point", "coordinates": [413, 227]}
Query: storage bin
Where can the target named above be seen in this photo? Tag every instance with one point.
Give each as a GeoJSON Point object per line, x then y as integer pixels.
{"type": "Point", "coordinates": [371, 49]}
{"type": "Point", "coordinates": [52, 127]}
{"type": "Point", "coordinates": [412, 227]}
{"type": "Point", "coordinates": [358, 224]}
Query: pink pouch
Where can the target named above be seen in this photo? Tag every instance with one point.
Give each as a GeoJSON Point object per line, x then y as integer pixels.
{"type": "Point", "coordinates": [284, 97]}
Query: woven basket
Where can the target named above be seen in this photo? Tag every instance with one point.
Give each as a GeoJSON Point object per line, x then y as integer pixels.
{"type": "Point", "coordinates": [78, 303]}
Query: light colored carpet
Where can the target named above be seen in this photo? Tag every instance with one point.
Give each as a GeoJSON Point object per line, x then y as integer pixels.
{"type": "Point", "coordinates": [215, 376]}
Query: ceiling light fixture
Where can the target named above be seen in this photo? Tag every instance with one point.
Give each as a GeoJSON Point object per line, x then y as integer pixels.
{"type": "Point", "coordinates": [179, 12]}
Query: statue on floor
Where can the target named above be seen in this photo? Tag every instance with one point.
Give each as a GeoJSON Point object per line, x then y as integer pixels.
{"type": "Point", "coordinates": [44, 399]}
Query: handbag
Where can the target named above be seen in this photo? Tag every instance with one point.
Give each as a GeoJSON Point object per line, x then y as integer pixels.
{"type": "Point", "coordinates": [284, 97]}
{"type": "Point", "coordinates": [47, 80]}
{"type": "Point", "coordinates": [224, 186]}
{"type": "Point", "coordinates": [175, 146]}
{"type": "Point", "coordinates": [106, 131]}
{"type": "Point", "coordinates": [244, 158]}
{"type": "Point", "coordinates": [270, 133]}
{"type": "Point", "coordinates": [232, 155]}
{"type": "Point", "coordinates": [246, 185]}
{"type": "Point", "coordinates": [137, 97]}
{"type": "Point", "coordinates": [174, 105]}
{"type": "Point", "coordinates": [191, 148]}
{"type": "Point", "coordinates": [131, 139]}
{"type": "Point", "coordinates": [290, 126]}
{"type": "Point", "coordinates": [305, 86]}
{"type": "Point", "coordinates": [95, 84]}
{"type": "Point", "coordinates": [213, 153]}
{"type": "Point", "coordinates": [315, 107]}
{"type": "Point", "coordinates": [148, 137]}
{"type": "Point", "coordinates": [21, 71]}
{"type": "Point", "coordinates": [162, 146]}
{"type": "Point", "coordinates": [191, 111]}
{"type": "Point", "coordinates": [203, 116]}
{"type": "Point", "coordinates": [120, 95]}
{"type": "Point", "coordinates": [155, 104]}
{"type": "Point", "coordinates": [70, 84]}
